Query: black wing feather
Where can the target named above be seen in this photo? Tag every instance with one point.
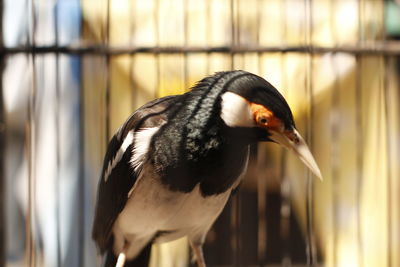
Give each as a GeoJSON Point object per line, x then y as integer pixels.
{"type": "Point", "coordinates": [113, 193]}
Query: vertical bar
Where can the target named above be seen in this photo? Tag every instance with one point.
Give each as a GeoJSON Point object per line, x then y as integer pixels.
{"type": "Point", "coordinates": [82, 183]}
{"type": "Point", "coordinates": [234, 224]}
{"type": "Point", "coordinates": [58, 146]}
{"type": "Point", "coordinates": [360, 137]}
{"type": "Point", "coordinates": [262, 218]}
{"type": "Point", "coordinates": [31, 144]}
{"type": "Point", "coordinates": [360, 165]}
{"type": "Point", "coordinates": [286, 200]}
{"type": "Point", "coordinates": [385, 69]}
{"type": "Point", "coordinates": [132, 56]}
{"type": "Point", "coordinates": [108, 70]}
{"type": "Point", "coordinates": [236, 199]}
{"type": "Point", "coordinates": [360, 21]}
{"type": "Point", "coordinates": [156, 17]}
{"type": "Point", "coordinates": [334, 125]}
{"type": "Point", "coordinates": [81, 172]}
{"type": "Point", "coordinates": [185, 44]}
{"type": "Point", "coordinates": [261, 183]}
{"type": "Point", "coordinates": [389, 150]}
{"type": "Point", "coordinates": [311, 254]}
{"type": "Point", "coordinates": [285, 213]}
{"type": "Point", "coordinates": [285, 184]}
{"type": "Point", "coordinates": [258, 37]}
{"type": "Point", "coordinates": [311, 247]}
{"type": "Point", "coordinates": [208, 34]}
{"type": "Point", "coordinates": [233, 30]}
{"type": "Point", "coordinates": [380, 121]}
{"type": "Point", "coordinates": [2, 148]}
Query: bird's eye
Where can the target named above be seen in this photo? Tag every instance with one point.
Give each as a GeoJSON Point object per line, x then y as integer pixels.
{"type": "Point", "coordinates": [263, 120]}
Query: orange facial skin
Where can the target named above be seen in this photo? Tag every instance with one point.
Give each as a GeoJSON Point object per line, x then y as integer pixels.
{"type": "Point", "coordinates": [265, 118]}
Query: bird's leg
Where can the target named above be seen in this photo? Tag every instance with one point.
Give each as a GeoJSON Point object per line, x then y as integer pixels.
{"type": "Point", "coordinates": [198, 253]}
{"type": "Point", "coordinates": [122, 256]}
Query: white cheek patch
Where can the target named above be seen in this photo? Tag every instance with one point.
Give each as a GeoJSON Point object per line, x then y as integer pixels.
{"type": "Point", "coordinates": [235, 111]}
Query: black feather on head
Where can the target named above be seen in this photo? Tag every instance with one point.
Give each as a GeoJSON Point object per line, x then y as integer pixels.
{"type": "Point", "coordinates": [257, 90]}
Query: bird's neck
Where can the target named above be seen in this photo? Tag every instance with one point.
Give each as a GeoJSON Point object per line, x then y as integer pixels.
{"type": "Point", "coordinates": [194, 141]}
{"type": "Point", "coordinates": [212, 158]}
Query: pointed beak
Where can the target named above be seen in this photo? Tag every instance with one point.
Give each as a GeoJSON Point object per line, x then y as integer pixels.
{"type": "Point", "coordinates": [292, 140]}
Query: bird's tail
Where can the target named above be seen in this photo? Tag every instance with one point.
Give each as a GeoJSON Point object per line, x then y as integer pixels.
{"type": "Point", "coordinates": [141, 260]}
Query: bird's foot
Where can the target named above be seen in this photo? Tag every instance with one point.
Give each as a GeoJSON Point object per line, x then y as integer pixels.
{"type": "Point", "coordinates": [198, 254]}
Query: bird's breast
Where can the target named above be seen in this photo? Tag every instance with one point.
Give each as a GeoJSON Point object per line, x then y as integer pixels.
{"type": "Point", "coordinates": [153, 208]}
{"type": "Point", "coordinates": [215, 170]}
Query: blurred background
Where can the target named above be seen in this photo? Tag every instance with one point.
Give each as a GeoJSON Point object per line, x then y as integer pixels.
{"type": "Point", "coordinates": [73, 70]}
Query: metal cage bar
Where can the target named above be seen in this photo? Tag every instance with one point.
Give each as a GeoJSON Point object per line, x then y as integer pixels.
{"type": "Point", "coordinates": [3, 142]}
{"type": "Point", "coordinates": [388, 49]}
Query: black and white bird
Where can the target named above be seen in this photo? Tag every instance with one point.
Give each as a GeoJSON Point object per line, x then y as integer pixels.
{"type": "Point", "coordinates": [171, 167]}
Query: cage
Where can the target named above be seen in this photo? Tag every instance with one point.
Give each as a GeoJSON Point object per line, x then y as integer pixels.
{"type": "Point", "coordinates": [73, 70]}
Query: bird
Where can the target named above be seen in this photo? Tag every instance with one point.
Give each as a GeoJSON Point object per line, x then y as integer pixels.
{"type": "Point", "coordinates": [170, 169]}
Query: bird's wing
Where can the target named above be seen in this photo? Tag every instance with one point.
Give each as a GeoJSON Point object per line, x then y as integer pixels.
{"type": "Point", "coordinates": [118, 176]}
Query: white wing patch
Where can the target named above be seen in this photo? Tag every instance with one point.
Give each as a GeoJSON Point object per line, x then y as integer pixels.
{"type": "Point", "coordinates": [142, 143]}
{"type": "Point", "coordinates": [127, 142]}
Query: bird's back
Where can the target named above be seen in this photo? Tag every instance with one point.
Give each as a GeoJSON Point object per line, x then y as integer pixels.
{"type": "Point", "coordinates": [117, 176]}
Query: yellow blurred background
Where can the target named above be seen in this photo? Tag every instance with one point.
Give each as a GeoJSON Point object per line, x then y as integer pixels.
{"type": "Point", "coordinates": [346, 103]}
{"type": "Point", "coordinates": [336, 63]}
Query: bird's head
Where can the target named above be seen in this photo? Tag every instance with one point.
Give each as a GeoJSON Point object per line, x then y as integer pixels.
{"type": "Point", "coordinates": [251, 102]}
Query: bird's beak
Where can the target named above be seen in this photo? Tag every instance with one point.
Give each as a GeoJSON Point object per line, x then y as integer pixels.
{"type": "Point", "coordinates": [292, 140]}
